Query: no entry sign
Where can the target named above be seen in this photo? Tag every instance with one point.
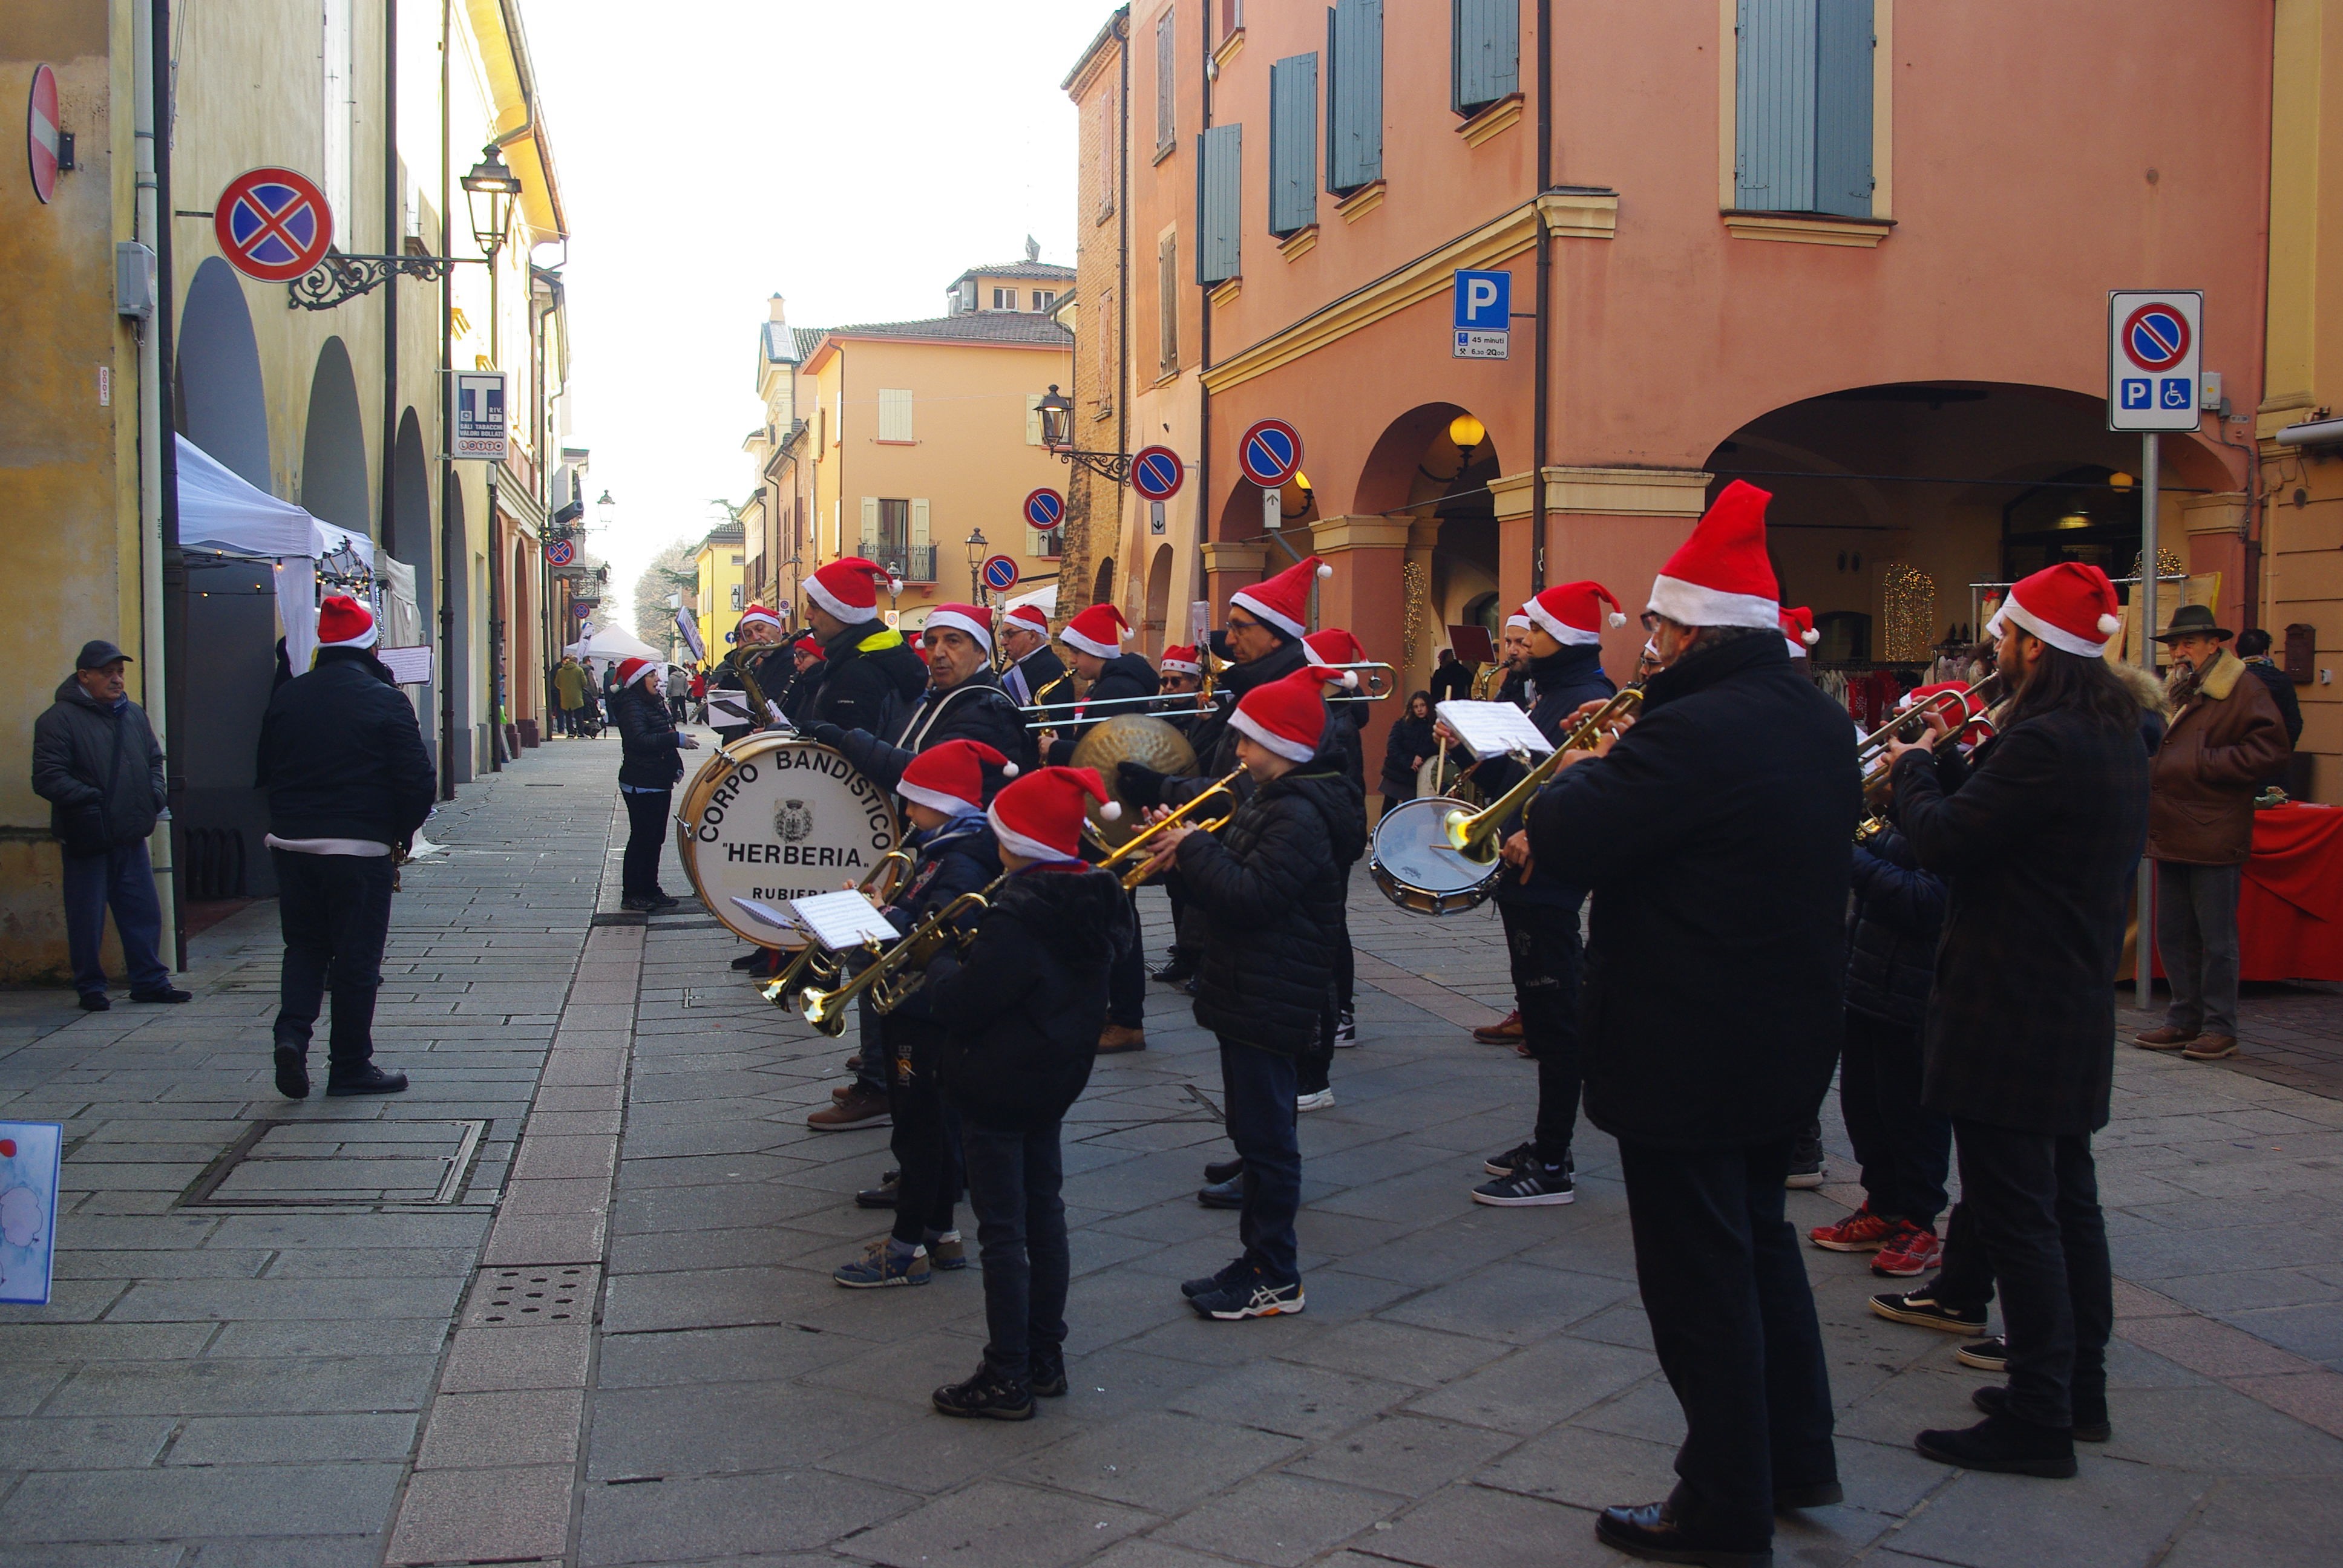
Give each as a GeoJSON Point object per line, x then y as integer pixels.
{"type": "Point", "coordinates": [1044, 510]}
{"type": "Point", "coordinates": [2155, 351]}
{"type": "Point", "coordinates": [42, 135]}
{"type": "Point", "coordinates": [1269, 453]}
{"type": "Point", "coordinates": [1157, 473]}
{"type": "Point", "coordinates": [1000, 573]}
{"type": "Point", "coordinates": [273, 225]}
{"type": "Point", "coordinates": [559, 553]}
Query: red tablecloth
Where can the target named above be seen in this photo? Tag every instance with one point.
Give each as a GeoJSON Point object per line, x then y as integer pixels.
{"type": "Point", "coordinates": [2290, 909]}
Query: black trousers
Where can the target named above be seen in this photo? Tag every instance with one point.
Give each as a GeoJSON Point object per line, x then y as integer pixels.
{"type": "Point", "coordinates": [922, 1136]}
{"type": "Point", "coordinates": [1905, 1148]}
{"type": "Point", "coordinates": [2035, 1198]}
{"type": "Point", "coordinates": [1964, 1279]}
{"type": "Point", "coordinates": [1543, 945]}
{"type": "Point", "coordinates": [647, 826]}
{"type": "Point", "coordinates": [335, 912]}
{"type": "Point", "coordinates": [1126, 980]}
{"type": "Point", "coordinates": [1724, 1287]}
{"type": "Point", "coordinates": [1257, 1088]}
{"type": "Point", "coordinates": [1013, 1183]}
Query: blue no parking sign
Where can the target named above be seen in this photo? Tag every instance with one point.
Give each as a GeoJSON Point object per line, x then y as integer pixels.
{"type": "Point", "coordinates": [2154, 356]}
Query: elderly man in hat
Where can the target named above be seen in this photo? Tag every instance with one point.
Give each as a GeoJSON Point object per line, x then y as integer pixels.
{"type": "Point", "coordinates": [2227, 737]}
{"type": "Point", "coordinates": [96, 762]}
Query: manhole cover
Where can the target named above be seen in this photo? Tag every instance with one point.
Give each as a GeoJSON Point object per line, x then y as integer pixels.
{"type": "Point", "coordinates": [510, 1297]}
{"type": "Point", "coordinates": [289, 1164]}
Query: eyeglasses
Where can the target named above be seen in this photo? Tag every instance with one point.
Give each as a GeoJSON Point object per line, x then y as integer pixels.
{"type": "Point", "coordinates": [1651, 622]}
{"type": "Point", "coordinates": [1235, 626]}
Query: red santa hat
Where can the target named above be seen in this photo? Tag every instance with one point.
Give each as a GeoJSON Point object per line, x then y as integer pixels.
{"type": "Point", "coordinates": [343, 622]}
{"type": "Point", "coordinates": [1571, 614]}
{"type": "Point", "coordinates": [966, 618]}
{"type": "Point", "coordinates": [1720, 576]}
{"type": "Point", "coordinates": [1098, 629]}
{"type": "Point", "coordinates": [809, 643]}
{"type": "Point", "coordinates": [1335, 646]}
{"type": "Point", "coordinates": [1283, 600]}
{"type": "Point", "coordinates": [1041, 815]}
{"type": "Point", "coordinates": [1181, 660]}
{"type": "Point", "coordinates": [757, 615]}
{"type": "Point", "coordinates": [632, 669]}
{"type": "Point", "coordinates": [1026, 618]}
{"type": "Point", "coordinates": [848, 589]}
{"type": "Point", "coordinates": [1798, 631]}
{"type": "Point", "coordinates": [1289, 716]}
{"type": "Point", "coordinates": [2070, 605]}
{"type": "Point", "coordinates": [949, 777]}
{"type": "Point", "coordinates": [1519, 620]}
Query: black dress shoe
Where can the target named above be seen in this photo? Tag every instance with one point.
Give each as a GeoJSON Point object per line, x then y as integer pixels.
{"type": "Point", "coordinates": [96, 1001]}
{"type": "Point", "coordinates": [292, 1072]}
{"type": "Point", "coordinates": [1228, 1194]}
{"type": "Point", "coordinates": [1653, 1531]}
{"type": "Point", "coordinates": [1220, 1171]}
{"type": "Point", "coordinates": [364, 1079]}
{"type": "Point", "coordinates": [167, 994]}
{"type": "Point", "coordinates": [1179, 971]}
{"type": "Point", "coordinates": [2004, 1445]}
{"type": "Point", "coordinates": [2090, 1415]}
{"type": "Point", "coordinates": [749, 959]}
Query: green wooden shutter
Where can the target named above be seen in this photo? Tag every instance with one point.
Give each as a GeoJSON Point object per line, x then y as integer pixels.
{"type": "Point", "coordinates": [1844, 41]}
{"type": "Point", "coordinates": [1485, 53]}
{"type": "Point", "coordinates": [1293, 143]}
{"type": "Point", "coordinates": [1354, 94]}
{"type": "Point", "coordinates": [1219, 255]}
{"type": "Point", "coordinates": [1773, 163]}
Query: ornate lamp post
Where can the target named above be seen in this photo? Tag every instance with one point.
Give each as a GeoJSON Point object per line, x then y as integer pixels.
{"type": "Point", "coordinates": [976, 548]}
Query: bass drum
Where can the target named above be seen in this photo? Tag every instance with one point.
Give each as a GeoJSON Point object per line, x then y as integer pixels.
{"type": "Point", "coordinates": [1416, 870]}
{"type": "Point", "coordinates": [772, 817]}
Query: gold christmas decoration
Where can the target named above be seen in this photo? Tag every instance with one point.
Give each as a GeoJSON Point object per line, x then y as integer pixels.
{"type": "Point", "coordinates": [1911, 596]}
{"type": "Point", "coordinates": [1417, 594]}
{"type": "Point", "coordinates": [2168, 564]}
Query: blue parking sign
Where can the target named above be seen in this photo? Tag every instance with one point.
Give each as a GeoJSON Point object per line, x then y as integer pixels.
{"type": "Point", "coordinates": [1484, 300]}
{"type": "Point", "coordinates": [2177, 392]}
{"type": "Point", "coordinates": [2135, 393]}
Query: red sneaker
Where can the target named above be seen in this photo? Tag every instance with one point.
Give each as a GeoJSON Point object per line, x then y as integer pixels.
{"type": "Point", "coordinates": [1861, 1231]}
{"type": "Point", "coordinates": [1910, 1250]}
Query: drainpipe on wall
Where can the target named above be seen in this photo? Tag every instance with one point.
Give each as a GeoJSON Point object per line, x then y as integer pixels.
{"type": "Point", "coordinates": [1541, 330]}
{"type": "Point", "coordinates": [450, 544]}
{"type": "Point", "coordinates": [394, 240]}
{"type": "Point", "coordinates": [174, 683]}
{"type": "Point", "coordinates": [1203, 363]}
{"type": "Point", "coordinates": [154, 674]}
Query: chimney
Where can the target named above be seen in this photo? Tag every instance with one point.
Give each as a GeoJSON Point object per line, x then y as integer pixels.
{"type": "Point", "coordinates": [776, 310]}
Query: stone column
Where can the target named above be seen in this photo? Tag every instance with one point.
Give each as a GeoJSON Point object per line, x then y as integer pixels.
{"type": "Point", "coordinates": [1367, 595]}
{"type": "Point", "coordinates": [2216, 530]}
{"type": "Point", "coordinates": [1228, 567]}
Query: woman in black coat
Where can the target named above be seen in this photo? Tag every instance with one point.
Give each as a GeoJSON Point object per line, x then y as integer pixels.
{"type": "Point", "coordinates": [2037, 838]}
{"type": "Point", "coordinates": [1405, 750]}
{"type": "Point", "coordinates": [649, 770]}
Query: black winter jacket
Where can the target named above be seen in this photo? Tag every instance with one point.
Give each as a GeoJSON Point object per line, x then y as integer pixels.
{"type": "Point", "coordinates": [868, 674]}
{"type": "Point", "coordinates": [2281, 690]}
{"type": "Point", "coordinates": [1025, 1011]}
{"type": "Point", "coordinates": [1716, 836]}
{"type": "Point", "coordinates": [1043, 675]}
{"type": "Point", "coordinates": [1125, 675]}
{"type": "Point", "coordinates": [1215, 742]}
{"type": "Point", "coordinates": [1270, 890]}
{"type": "Point", "coordinates": [975, 710]}
{"type": "Point", "coordinates": [1409, 741]}
{"type": "Point", "coordinates": [1555, 686]}
{"type": "Point", "coordinates": [341, 756]}
{"type": "Point", "coordinates": [100, 771]}
{"type": "Point", "coordinates": [961, 857]}
{"type": "Point", "coordinates": [1899, 914]}
{"type": "Point", "coordinates": [651, 744]}
{"type": "Point", "coordinates": [2037, 838]}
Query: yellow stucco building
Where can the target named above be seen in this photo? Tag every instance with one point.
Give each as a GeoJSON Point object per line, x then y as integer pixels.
{"type": "Point", "coordinates": [722, 587]}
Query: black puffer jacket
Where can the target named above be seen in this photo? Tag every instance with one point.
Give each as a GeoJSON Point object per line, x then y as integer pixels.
{"type": "Point", "coordinates": [650, 758]}
{"type": "Point", "coordinates": [341, 757]}
{"type": "Point", "coordinates": [1215, 742]}
{"type": "Point", "coordinates": [1025, 1011]}
{"type": "Point", "coordinates": [100, 771]}
{"type": "Point", "coordinates": [961, 857]}
{"type": "Point", "coordinates": [868, 674]}
{"type": "Point", "coordinates": [1410, 742]}
{"type": "Point", "coordinates": [975, 710]}
{"type": "Point", "coordinates": [1125, 675]}
{"type": "Point", "coordinates": [1270, 892]}
{"type": "Point", "coordinates": [1899, 913]}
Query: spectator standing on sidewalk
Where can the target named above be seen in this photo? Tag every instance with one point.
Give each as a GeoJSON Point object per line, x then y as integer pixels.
{"type": "Point", "coordinates": [649, 771]}
{"type": "Point", "coordinates": [2227, 737]}
{"type": "Point", "coordinates": [2253, 646]}
{"type": "Point", "coordinates": [570, 689]}
{"type": "Point", "coordinates": [348, 783]}
{"type": "Point", "coordinates": [96, 763]}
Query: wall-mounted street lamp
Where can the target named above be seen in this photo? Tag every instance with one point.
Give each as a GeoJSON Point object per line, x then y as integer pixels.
{"type": "Point", "coordinates": [602, 510]}
{"type": "Point", "coordinates": [339, 278]}
{"type": "Point", "coordinates": [1467, 432]}
{"type": "Point", "coordinates": [488, 190]}
{"type": "Point", "coordinates": [1058, 435]}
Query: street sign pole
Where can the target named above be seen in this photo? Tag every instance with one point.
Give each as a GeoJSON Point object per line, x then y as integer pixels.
{"type": "Point", "coordinates": [2145, 946]}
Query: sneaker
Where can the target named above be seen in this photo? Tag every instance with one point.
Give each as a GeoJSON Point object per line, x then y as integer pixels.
{"type": "Point", "coordinates": [364, 1078]}
{"type": "Point", "coordinates": [1220, 1170]}
{"type": "Point", "coordinates": [947, 1252]}
{"type": "Point", "coordinates": [292, 1072]}
{"type": "Point", "coordinates": [1178, 970]}
{"type": "Point", "coordinates": [1504, 1031]}
{"type": "Point", "coordinates": [861, 1107]}
{"type": "Point", "coordinates": [638, 904]}
{"type": "Point", "coordinates": [2205, 1047]}
{"type": "Point", "coordinates": [1249, 1296]}
{"type": "Point", "coordinates": [1922, 1311]}
{"type": "Point", "coordinates": [96, 1001]}
{"type": "Point", "coordinates": [2091, 1423]}
{"type": "Point", "coordinates": [1046, 1375]}
{"type": "Point", "coordinates": [1229, 1274]}
{"type": "Point", "coordinates": [1523, 1153]}
{"type": "Point", "coordinates": [879, 1265]}
{"type": "Point", "coordinates": [1346, 1030]}
{"type": "Point", "coordinates": [987, 1396]}
{"type": "Point", "coordinates": [2003, 1443]}
{"type": "Point", "coordinates": [882, 1196]}
{"type": "Point", "coordinates": [1323, 1100]}
{"type": "Point", "coordinates": [1805, 1168]}
{"type": "Point", "coordinates": [1861, 1231]}
{"type": "Point", "coordinates": [1987, 1354]}
{"type": "Point", "coordinates": [1117, 1037]}
{"type": "Point", "coordinates": [1228, 1194]}
{"type": "Point", "coordinates": [1530, 1183]}
{"type": "Point", "coordinates": [1910, 1252]}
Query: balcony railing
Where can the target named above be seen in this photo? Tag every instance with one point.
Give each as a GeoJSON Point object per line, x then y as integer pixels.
{"type": "Point", "coordinates": [919, 561]}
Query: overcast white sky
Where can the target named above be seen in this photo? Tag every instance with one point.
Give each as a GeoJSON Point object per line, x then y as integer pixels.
{"type": "Point", "coordinates": [852, 157]}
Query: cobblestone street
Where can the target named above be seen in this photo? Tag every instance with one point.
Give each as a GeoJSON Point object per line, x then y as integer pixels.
{"type": "Point", "coordinates": [568, 1300]}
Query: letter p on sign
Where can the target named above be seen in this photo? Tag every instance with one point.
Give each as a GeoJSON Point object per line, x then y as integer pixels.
{"type": "Point", "coordinates": [1484, 300]}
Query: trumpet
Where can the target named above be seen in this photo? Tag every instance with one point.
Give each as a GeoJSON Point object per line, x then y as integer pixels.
{"type": "Point", "coordinates": [1909, 725]}
{"type": "Point", "coordinates": [815, 962]}
{"type": "Point", "coordinates": [1875, 792]}
{"type": "Point", "coordinates": [884, 978]}
{"type": "Point", "coordinates": [1474, 834]}
{"type": "Point", "coordinates": [1141, 847]}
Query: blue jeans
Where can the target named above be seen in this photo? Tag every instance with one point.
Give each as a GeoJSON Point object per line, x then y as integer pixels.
{"type": "Point", "coordinates": [1013, 1180]}
{"type": "Point", "coordinates": [335, 912]}
{"type": "Point", "coordinates": [123, 878]}
{"type": "Point", "coordinates": [1260, 1086]}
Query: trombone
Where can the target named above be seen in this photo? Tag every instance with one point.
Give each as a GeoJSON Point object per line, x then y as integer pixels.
{"type": "Point", "coordinates": [815, 962]}
{"type": "Point", "coordinates": [1141, 846]}
{"type": "Point", "coordinates": [1474, 834]}
{"type": "Point", "coordinates": [885, 979]}
{"type": "Point", "coordinates": [1377, 680]}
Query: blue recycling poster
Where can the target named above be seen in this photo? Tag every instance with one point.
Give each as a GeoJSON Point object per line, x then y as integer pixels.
{"type": "Point", "coordinates": [28, 1209]}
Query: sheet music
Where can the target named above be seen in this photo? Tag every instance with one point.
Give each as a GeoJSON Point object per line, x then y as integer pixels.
{"type": "Point", "coordinates": [1492, 729]}
{"type": "Point", "coordinates": [779, 919]}
{"type": "Point", "coordinates": [728, 708]}
{"type": "Point", "coordinates": [843, 920]}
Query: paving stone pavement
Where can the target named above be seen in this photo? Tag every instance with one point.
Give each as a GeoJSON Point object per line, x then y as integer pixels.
{"type": "Point", "coordinates": [367, 1383]}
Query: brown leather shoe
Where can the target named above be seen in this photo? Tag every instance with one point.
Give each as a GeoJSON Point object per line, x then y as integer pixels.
{"type": "Point", "coordinates": [1507, 1031]}
{"type": "Point", "coordinates": [2164, 1039]}
{"type": "Point", "coordinates": [860, 1109]}
{"type": "Point", "coordinates": [1118, 1037]}
{"type": "Point", "coordinates": [2211, 1048]}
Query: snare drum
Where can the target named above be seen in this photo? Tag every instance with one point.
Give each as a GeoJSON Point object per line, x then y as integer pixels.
{"type": "Point", "coordinates": [1416, 870]}
{"type": "Point", "coordinates": [773, 817]}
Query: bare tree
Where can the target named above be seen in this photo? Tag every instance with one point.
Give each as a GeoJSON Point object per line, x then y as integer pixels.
{"type": "Point", "coordinates": [674, 570]}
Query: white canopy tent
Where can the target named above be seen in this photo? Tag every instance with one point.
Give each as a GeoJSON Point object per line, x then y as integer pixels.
{"type": "Point", "coordinates": [1046, 597]}
{"type": "Point", "coordinates": [220, 510]}
{"type": "Point", "coordinates": [610, 644]}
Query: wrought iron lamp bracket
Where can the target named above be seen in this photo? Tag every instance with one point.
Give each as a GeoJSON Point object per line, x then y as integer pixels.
{"type": "Point", "coordinates": [1114, 468]}
{"type": "Point", "coordinates": [341, 278]}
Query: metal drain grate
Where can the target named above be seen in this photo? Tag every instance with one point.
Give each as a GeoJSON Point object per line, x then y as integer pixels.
{"type": "Point", "coordinates": [307, 1164]}
{"type": "Point", "coordinates": [504, 1297]}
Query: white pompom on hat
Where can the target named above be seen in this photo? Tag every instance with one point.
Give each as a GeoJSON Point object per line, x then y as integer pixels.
{"type": "Point", "coordinates": [2070, 605]}
{"type": "Point", "coordinates": [949, 777]}
{"type": "Point", "coordinates": [1572, 614]}
{"type": "Point", "coordinates": [1039, 816]}
{"type": "Point", "coordinates": [1283, 600]}
{"type": "Point", "coordinates": [1798, 631]}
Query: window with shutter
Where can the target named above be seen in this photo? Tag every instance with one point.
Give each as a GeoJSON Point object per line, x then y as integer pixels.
{"type": "Point", "coordinates": [1167, 302]}
{"type": "Point", "coordinates": [868, 543]}
{"type": "Point", "coordinates": [1485, 55]}
{"type": "Point", "coordinates": [1354, 94]}
{"type": "Point", "coordinates": [1109, 144]}
{"type": "Point", "coordinates": [1803, 114]}
{"type": "Point", "coordinates": [1231, 16]}
{"type": "Point", "coordinates": [1220, 256]}
{"type": "Point", "coordinates": [1034, 419]}
{"type": "Point", "coordinates": [1166, 54]}
{"type": "Point", "coordinates": [894, 414]}
{"type": "Point", "coordinates": [1293, 143]}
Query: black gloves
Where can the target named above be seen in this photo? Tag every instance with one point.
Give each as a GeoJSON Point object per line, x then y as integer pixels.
{"type": "Point", "coordinates": [829, 735]}
{"type": "Point", "coordinates": [1139, 784]}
